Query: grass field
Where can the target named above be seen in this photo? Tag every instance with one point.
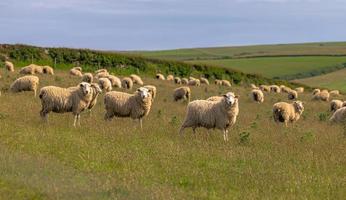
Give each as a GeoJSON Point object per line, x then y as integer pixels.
{"type": "Point", "coordinates": [332, 48]}
{"type": "Point", "coordinates": [117, 160]}
{"type": "Point", "coordinates": [277, 66]}
{"type": "Point", "coordinates": [334, 80]}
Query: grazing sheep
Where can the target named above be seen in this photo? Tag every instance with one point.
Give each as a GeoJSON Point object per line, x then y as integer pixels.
{"type": "Point", "coordinates": [275, 89]}
{"type": "Point", "coordinates": [102, 74]}
{"type": "Point", "coordinates": [136, 79]}
{"type": "Point", "coordinates": [62, 100]}
{"type": "Point", "coordinates": [226, 83]}
{"type": "Point", "coordinates": [204, 81]}
{"type": "Point", "coordinates": [25, 83]}
{"type": "Point", "coordinates": [101, 71]}
{"type": "Point", "coordinates": [88, 77]}
{"type": "Point", "coordinates": [218, 82]}
{"type": "Point", "coordinates": [220, 114]}
{"type": "Point", "coordinates": [192, 78]}
{"type": "Point", "coordinates": [285, 112]}
{"type": "Point", "coordinates": [76, 72]}
{"type": "Point", "coordinates": [77, 68]}
{"type": "Point", "coordinates": [322, 95]}
{"type": "Point", "coordinates": [292, 95]}
{"type": "Point", "coordinates": [334, 92]}
{"type": "Point", "coordinates": [9, 66]}
{"type": "Point", "coordinates": [300, 89]}
{"type": "Point", "coordinates": [170, 78]}
{"type": "Point", "coordinates": [257, 95]}
{"type": "Point", "coordinates": [48, 70]}
{"type": "Point", "coordinates": [127, 83]}
{"type": "Point", "coordinates": [105, 84]}
{"type": "Point", "coordinates": [177, 80]}
{"type": "Point", "coordinates": [160, 77]}
{"type": "Point", "coordinates": [37, 69]}
{"type": "Point", "coordinates": [96, 90]}
{"type": "Point", "coordinates": [120, 104]}
{"type": "Point", "coordinates": [265, 88]}
{"type": "Point", "coordinates": [184, 81]}
{"type": "Point", "coordinates": [182, 93]}
{"type": "Point", "coordinates": [152, 91]}
{"type": "Point", "coordinates": [253, 86]}
{"type": "Point", "coordinates": [116, 82]}
{"type": "Point", "coordinates": [285, 89]}
{"type": "Point", "coordinates": [315, 91]}
{"type": "Point", "coordinates": [195, 82]}
{"type": "Point", "coordinates": [339, 115]}
{"type": "Point", "coordinates": [336, 104]}
{"type": "Point", "coordinates": [30, 69]}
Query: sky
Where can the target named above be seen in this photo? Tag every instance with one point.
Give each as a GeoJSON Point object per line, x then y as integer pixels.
{"type": "Point", "coordinates": [169, 24]}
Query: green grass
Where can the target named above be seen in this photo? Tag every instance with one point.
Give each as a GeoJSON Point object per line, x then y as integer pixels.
{"type": "Point", "coordinates": [277, 66]}
{"type": "Point", "coordinates": [331, 48]}
{"type": "Point", "coordinates": [117, 160]}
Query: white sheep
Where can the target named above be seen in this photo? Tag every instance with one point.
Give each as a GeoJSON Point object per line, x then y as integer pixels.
{"type": "Point", "coordinates": [184, 81]}
{"type": "Point", "coordinates": [127, 83]}
{"type": "Point", "coordinates": [170, 77]}
{"type": "Point", "coordinates": [194, 82]}
{"type": "Point", "coordinates": [120, 104]}
{"type": "Point", "coordinates": [286, 112]}
{"type": "Point", "coordinates": [226, 83]}
{"type": "Point", "coordinates": [62, 100]}
{"type": "Point", "coordinates": [102, 74]}
{"type": "Point", "coordinates": [95, 89]}
{"type": "Point", "coordinates": [75, 72]}
{"type": "Point", "coordinates": [253, 86]}
{"type": "Point", "coordinates": [182, 93]}
{"type": "Point", "coordinates": [101, 71]}
{"type": "Point", "coordinates": [48, 70]}
{"type": "Point", "coordinates": [177, 80]}
{"type": "Point", "coordinates": [315, 91]}
{"type": "Point", "coordinates": [265, 88]}
{"type": "Point", "coordinates": [300, 89]}
{"type": "Point", "coordinates": [257, 95]}
{"type": "Point", "coordinates": [160, 77]}
{"type": "Point", "coordinates": [292, 95]}
{"type": "Point", "coordinates": [275, 89]}
{"type": "Point", "coordinates": [25, 83]}
{"type": "Point", "coordinates": [336, 104]}
{"type": "Point", "coordinates": [285, 89]}
{"type": "Point", "coordinates": [204, 81]}
{"type": "Point", "coordinates": [88, 77]}
{"type": "Point", "coordinates": [105, 84]}
{"type": "Point", "coordinates": [220, 114]}
{"type": "Point", "coordinates": [116, 82]}
{"type": "Point", "coordinates": [152, 90]}
{"type": "Point", "coordinates": [321, 95]}
{"type": "Point", "coordinates": [9, 66]}
{"type": "Point", "coordinates": [30, 69]}
{"type": "Point", "coordinates": [218, 82]}
{"type": "Point", "coordinates": [334, 92]}
{"type": "Point", "coordinates": [339, 115]}
{"type": "Point", "coordinates": [136, 79]}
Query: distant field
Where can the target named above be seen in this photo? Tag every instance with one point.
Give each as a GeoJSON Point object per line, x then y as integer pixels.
{"type": "Point", "coordinates": [333, 48]}
{"type": "Point", "coordinates": [334, 80]}
{"type": "Point", "coordinates": [277, 66]}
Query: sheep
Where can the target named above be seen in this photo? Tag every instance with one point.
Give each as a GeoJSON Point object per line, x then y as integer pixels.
{"type": "Point", "coordinates": [105, 84]}
{"type": "Point", "coordinates": [192, 78]}
{"type": "Point", "coordinates": [182, 93]}
{"type": "Point", "coordinates": [127, 83]}
{"type": "Point", "coordinates": [315, 91]}
{"type": "Point", "coordinates": [102, 74]}
{"type": "Point", "coordinates": [339, 115]}
{"type": "Point", "coordinates": [214, 98]}
{"type": "Point", "coordinates": [204, 81]}
{"type": "Point", "coordinates": [37, 69]}
{"type": "Point", "coordinates": [76, 72]}
{"type": "Point", "coordinates": [30, 69]}
{"type": "Point", "coordinates": [292, 95]}
{"type": "Point", "coordinates": [253, 86]}
{"type": "Point", "coordinates": [220, 114]}
{"type": "Point", "coordinates": [226, 83]}
{"type": "Point", "coordinates": [160, 77]}
{"type": "Point", "coordinates": [170, 78]}
{"type": "Point", "coordinates": [77, 68]}
{"type": "Point", "coordinates": [184, 81]}
{"type": "Point", "coordinates": [195, 82]}
{"type": "Point", "coordinates": [136, 79]}
{"type": "Point", "coordinates": [336, 104]}
{"type": "Point", "coordinates": [285, 89]}
{"type": "Point", "coordinates": [334, 92]}
{"type": "Point", "coordinates": [88, 77]}
{"type": "Point", "coordinates": [286, 112]}
{"type": "Point", "coordinates": [300, 89]}
{"type": "Point", "coordinates": [218, 82]}
{"type": "Point", "coordinates": [25, 83]}
{"type": "Point", "coordinates": [152, 91]}
{"type": "Point", "coordinates": [62, 100]}
{"type": "Point", "coordinates": [177, 80]}
{"type": "Point", "coordinates": [9, 66]}
{"type": "Point", "coordinates": [101, 71]}
{"type": "Point", "coordinates": [135, 106]}
{"type": "Point", "coordinates": [322, 95]}
{"type": "Point", "coordinates": [257, 95]}
{"type": "Point", "coordinates": [96, 90]}
{"type": "Point", "coordinates": [275, 89]}
{"type": "Point", "coordinates": [48, 70]}
{"type": "Point", "coordinates": [116, 82]}
{"type": "Point", "coordinates": [265, 88]}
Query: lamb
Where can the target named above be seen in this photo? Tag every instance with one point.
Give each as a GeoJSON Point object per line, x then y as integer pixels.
{"type": "Point", "coordinates": [62, 100]}
{"type": "Point", "coordinates": [204, 81]}
{"type": "Point", "coordinates": [127, 83]}
{"type": "Point", "coordinates": [322, 95]}
{"type": "Point", "coordinates": [286, 112]}
{"type": "Point", "coordinates": [160, 77]}
{"type": "Point", "coordinates": [135, 106]}
{"type": "Point", "coordinates": [136, 79]}
{"type": "Point", "coordinates": [218, 82]}
{"type": "Point", "coordinates": [170, 78]}
{"type": "Point", "coordinates": [265, 88]}
{"type": "Point", "coordinates": [88, 77]}
{"type": "Point", "coordinates": [257, 95]}
{"type": "Point", "coordinates": [195, 82]}
{"type": "Point", "coordinates": [184, 81]}
{"type": "Point", "coordinates": [334, 92]}
{"type": "Point", "coordinates": [182, 93]}
{"type": "Point", "coordinates": [75, 72]}
{"type": "Point", "coordinates": [336, 104]}
{"type": "Point", "coordinates": [292, 95]}
{"type": "Point", "coordinates": [116, 82]}
{"type": "Point", "coordinates": [177, 80]}
{"type": "Point", "coordinates": [339, 115]}
{"type": "Point", "coordinates": [226, 83]}
{"type": "Point", "coordinates": [300, 89]}
{"type": "Point", "coordinates": [48, 70]}
{"type": "Point", "coordinates": [105, 84]}
{"type": "Point", "coordinates": [220, 114]}
{"type": "Point", "coordinates": [275, 89]}
{"type": "Point", "coordinates": [25, 83]}
{"type": "Point", "coordinates": [9, 66]}
{"type": "Point", "coordinates": [152, 91]}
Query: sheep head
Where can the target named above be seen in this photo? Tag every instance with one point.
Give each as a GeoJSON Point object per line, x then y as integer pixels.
{"type": "Point", "coordinates": [85, 88]}
{"type": "Point", "coordinates": [298, 105]}
{"type": "Point", "coordinates": [230, 98]}
{"type": "Point", "coordinates": [143, 92]}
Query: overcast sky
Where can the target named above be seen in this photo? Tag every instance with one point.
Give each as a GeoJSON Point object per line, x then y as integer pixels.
{"type": "Point", "coordinates": [167, 24]}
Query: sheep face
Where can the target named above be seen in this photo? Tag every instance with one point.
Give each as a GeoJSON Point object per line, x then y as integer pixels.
{"type": "Point", "coordinates": [85, 87]}
{"type": "Point", "coordinates": [96, 87]}
{"type": "Point", "coordinates": [144, 92]}
{"type": "Point", "coordinates": [298, 105]}
{"type": "Point", "coordinates": [230, 98]}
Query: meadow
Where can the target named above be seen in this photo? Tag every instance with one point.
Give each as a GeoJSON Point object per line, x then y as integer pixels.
{"type": "Point", "coordinates": [118, 160]}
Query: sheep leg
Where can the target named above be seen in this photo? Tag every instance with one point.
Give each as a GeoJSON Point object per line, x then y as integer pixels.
{"type": "Point", "coordinates": [43, 115]}
{"type": "Point", "coordinates": [78, 118]}
{"type": "Point", "coordinates": [75, 120]}
{"type": "Point", "coordinates": [34, 93]}
{"type": "Point", "coordinates": [141, 123]}
{"type": "Point", "coordinates": [225, 135]}
{"type": "Point", "coordinates": [181, 130]}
